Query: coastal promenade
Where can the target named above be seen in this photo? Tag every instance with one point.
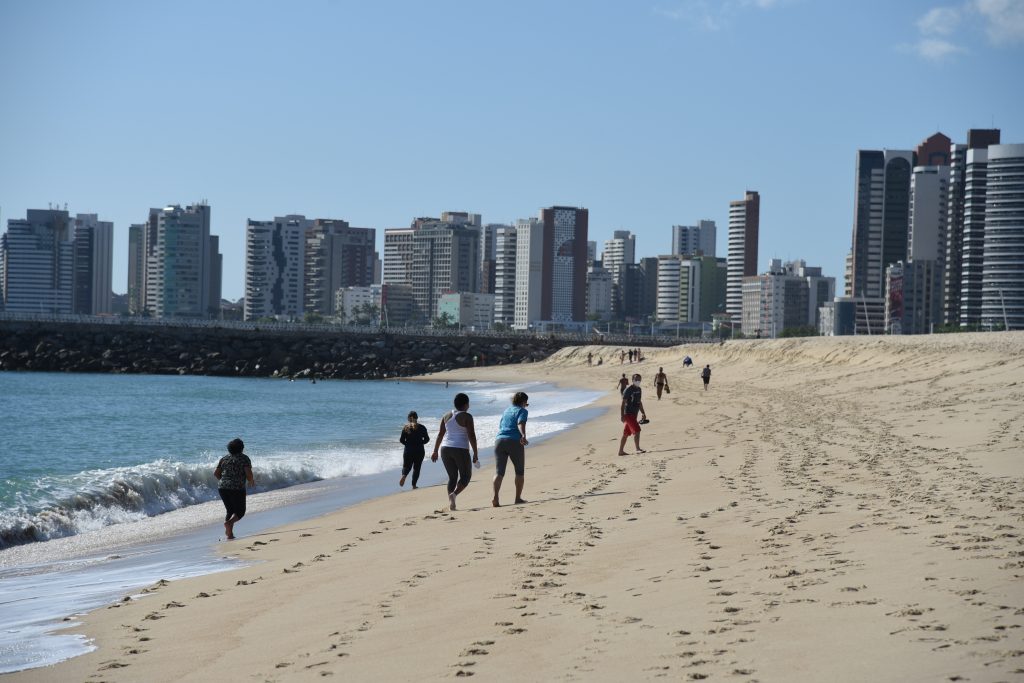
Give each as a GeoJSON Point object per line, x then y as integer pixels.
{"type": "Point", "coordinates": [840, 509]}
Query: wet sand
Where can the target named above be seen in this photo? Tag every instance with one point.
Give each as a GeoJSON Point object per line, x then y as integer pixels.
{"type": "Point", "coordinates": [831, 509]}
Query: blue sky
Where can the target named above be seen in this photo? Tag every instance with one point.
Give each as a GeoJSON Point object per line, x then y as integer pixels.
{"type": "Point", "coordinates": [648, 113]}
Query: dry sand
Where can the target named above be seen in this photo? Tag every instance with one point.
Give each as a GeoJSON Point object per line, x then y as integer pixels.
{"type": "Point", "coordinates": [831, 510]}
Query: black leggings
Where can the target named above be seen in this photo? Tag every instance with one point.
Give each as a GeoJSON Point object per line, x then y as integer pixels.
{"type": "Point", "coordinates": [458, 465]}
{"type": "Point", "coordinates": [234, 503]}
{"type": "Point", "coordinates": [412, 463]}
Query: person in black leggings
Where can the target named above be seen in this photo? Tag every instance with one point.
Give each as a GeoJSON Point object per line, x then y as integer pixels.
{"type": "Point", "coordinates": [233, 471]}
{"type": "Point", "coordinates": [414, 436]}
{"type": "Point", "coordinates": [454, 439]}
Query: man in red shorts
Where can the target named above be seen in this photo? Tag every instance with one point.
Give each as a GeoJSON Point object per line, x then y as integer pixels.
{"type": "Point", "coordinates": [632, 404]}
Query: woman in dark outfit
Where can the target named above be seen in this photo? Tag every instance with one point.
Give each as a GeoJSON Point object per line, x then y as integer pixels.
{"type": "Point", "coordinates": [233, 472]}
{"type": "Point", "coordinates": [414, 435]}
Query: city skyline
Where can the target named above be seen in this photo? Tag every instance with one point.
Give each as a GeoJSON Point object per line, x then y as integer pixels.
{"type": "Point", "coordinates": [659, 121]}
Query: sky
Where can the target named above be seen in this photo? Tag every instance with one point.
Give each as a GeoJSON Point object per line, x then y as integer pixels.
{"type": "Point", "coordinates": [649, 114]}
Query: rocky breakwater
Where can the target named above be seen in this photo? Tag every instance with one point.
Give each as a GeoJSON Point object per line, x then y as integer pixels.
{"type": "Point", "coordinates": [250, 353]}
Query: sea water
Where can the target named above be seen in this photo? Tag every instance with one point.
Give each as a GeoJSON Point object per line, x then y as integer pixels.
{"type": "Point", "coordinates": [106, 481]}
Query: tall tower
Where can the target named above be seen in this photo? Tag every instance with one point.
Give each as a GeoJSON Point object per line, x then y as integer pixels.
{"type": "Point", "coordinates": [38, 255]}
{"type": "Point", "coordinates": [565, 264]}
{"type": "Point", "coordinates": [93, 267]}
{"type": "Point", "coordinates": [744, 224]}
{"type": "Point", "coordinates": [1002, 280]}
{"type": "Point", "coordinates": [881, 217]}
{"type": "Point", "coordinates": [275, 256]}
{"type": "Point", "coordinates": [337, 255]}
{"type": "Point", "coordinates": [952, 280]}
{"type": "Point", "coordinates": [505, 275]}
{"type": "Point", "coordinates": [178, 262]}
{"type": "Point", "coordinates": [530, 272]}
{"type": "Point", "coordinates": [446, 258]}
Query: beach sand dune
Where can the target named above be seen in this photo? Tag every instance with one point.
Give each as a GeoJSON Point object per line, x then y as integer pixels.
{"type": "Point", "coordinates": [846, 509]}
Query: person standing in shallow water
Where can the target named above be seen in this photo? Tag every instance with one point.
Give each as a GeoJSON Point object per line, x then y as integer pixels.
{"type": "Point", "coordinates": [511, 445]}
{"type": "Point", "coordinates": [454, 439]}
{"type": "Point", "coordinates": [233, 472]}
{"type": "Point", "coordinates": [414, 436]}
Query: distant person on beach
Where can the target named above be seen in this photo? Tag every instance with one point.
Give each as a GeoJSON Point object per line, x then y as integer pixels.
{"type": "Point", "coordinates": [661, 382]}
{"type": "Point", "coordinates": [600, 360]}
{"type": "Point", "coordinates": [687, 362]}
{"type": "Point", "coordinates": [632, 404]}
{"type": "Point", "coordinates": [233, 472]}
{"type": "Point", "coordinates": [705, 375]}
{"type": "Point", "coordinates": [414, 436]}
{"type": "Point", "coordinates": [630, 354]}
{"type": "Point", "coordinates": [454, 440]}
{"type": "Point", "coordinates": [590, 359]}
{"type": "Point", "coordinates": [622, 384]}
{"type": "Point", "coordinates": [511, 445]}
{"type": "Point", "coordinates": [622, 356]}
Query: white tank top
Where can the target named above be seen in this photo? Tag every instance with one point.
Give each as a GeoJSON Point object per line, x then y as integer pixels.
{"type": "Point", "coordinates": [455, 435]}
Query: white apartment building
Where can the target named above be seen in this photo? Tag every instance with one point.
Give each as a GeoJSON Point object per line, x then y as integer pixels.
{"type": "Point", "coordinates": [350, 303]}
{"type": "Point", "coordinates": [529, 266]}
{"type": "Point", "coordinates": [693, 240]}
{"type": "Point", "coordinates": [397, 269]}
{"type": "Point", "coordinates": [275, 267]}
{"type": "Point", "coordinates": [679, 280]}
{"type": "Point", "coordinates": [505, 275]}
{"type": "Point", "coordinates": [619, 250]}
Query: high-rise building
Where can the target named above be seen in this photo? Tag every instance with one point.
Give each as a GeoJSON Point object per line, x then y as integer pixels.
{"type": "Point", "coordinates": [599, 292]}
{"type": "Point", "coordinates": [336, 255]}
{"type": "Point", "coordinates": [38, 258]}
{"type": "Point", "coordinates": [788, 295]}
{"type": "Point", "coordinates": [1002, 280]}
{"type": "Point", "coordinates": [694, 240]}
{"type": "Point", "coordinates": [461, 218]}
{"type": "Point", "coordinates": [881, 217]}
{"type": "Point", "coordinates": [182, 266]}
{"type": "Point", "coordinates": [136, 268]}
{"type": "Point", "coordinates": [678, 289]}
{"type": "Point", "coordinates": [973, 245]}
{"type": "Point", "coordinates": [953, 266]}
{"type": "Point", "coordinates": [619, 253]}
{"type": "Point", "coordinates": [530, 272]}
{"type": "Point", "coordinates": [216, 275]}
{"type": "Point", "coordinates": [397, 268]}
{"type": "Point", "coordinates": [744, 224]}
{"type": "Point", "coordinates": [564, 297]}
{"type": "Point", "coordinates": [93, 265]}
{"type": "Point", "coordinates": [591, 251]}
{"type": "Point", "coordinates": [505, 276]}
{"type": "Point", "coordinates": [446, 258]}
{"type": "Point", "coordinates": [489, 256]}
{"type": "Point", "coordinates": [647, 297]}
{"type": "Point", "coordinates": [275, 256]}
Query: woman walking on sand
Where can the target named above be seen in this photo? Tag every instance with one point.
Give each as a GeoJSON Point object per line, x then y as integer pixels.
{"type": "Point", "coordinates": [661, 382]}
{"type": "Point", "coordinates": [705, 375]}
{"type": "Point", "coordinates": [454, 440]}
{"type": "Point", "coordinates": [233, 472]}
{"type": "Point", "coordinates": [511, 445]}
{"type": "Point", "coordinates": [414, 436]}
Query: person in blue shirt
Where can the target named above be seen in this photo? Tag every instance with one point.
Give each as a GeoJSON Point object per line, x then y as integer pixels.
{"type": "Point", "coordinates": [511, 445]}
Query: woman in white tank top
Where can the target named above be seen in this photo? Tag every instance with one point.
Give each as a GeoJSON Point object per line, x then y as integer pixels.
{"type": "Point", "coordinates": [454, 439]}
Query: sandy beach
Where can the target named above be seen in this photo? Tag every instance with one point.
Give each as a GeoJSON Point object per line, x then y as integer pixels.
{"type": "Point", "coordinates": [834, 509]}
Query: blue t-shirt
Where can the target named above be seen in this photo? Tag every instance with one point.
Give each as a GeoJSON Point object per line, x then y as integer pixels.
{"type": "Point", "coordinates": [510, 419]}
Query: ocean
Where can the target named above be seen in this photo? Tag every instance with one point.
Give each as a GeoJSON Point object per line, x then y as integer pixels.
{"type": "Point", "coordinates": [106, 481]}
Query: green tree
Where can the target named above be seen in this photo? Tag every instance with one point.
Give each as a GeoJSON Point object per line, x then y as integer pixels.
{"type": "Point", "coordinates": [444, 321]}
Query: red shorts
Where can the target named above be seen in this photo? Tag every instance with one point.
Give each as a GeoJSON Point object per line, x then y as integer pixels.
{"type": "Point", "coordinates": [630, 426]}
